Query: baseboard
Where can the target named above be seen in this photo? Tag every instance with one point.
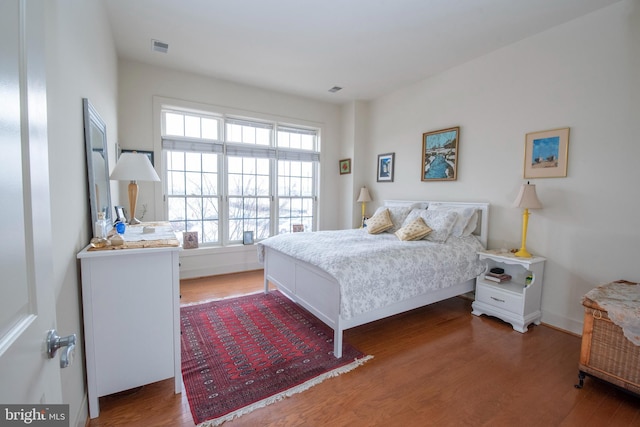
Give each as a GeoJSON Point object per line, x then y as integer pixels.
{"type": "Point", "coordinates": [562, 323]}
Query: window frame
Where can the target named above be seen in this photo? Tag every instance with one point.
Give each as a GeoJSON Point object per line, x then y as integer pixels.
{"type": "Point", "coordinates": [224, 150]}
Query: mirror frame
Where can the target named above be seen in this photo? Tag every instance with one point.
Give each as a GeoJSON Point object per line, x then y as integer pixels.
{"type": "Point", "coordinates": [93, 125]}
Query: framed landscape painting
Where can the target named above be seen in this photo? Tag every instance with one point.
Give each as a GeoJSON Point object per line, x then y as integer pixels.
{"type": "Point", "coordinates": [546, 154]}
{"type": "Point", "coordinates": [440, 155]}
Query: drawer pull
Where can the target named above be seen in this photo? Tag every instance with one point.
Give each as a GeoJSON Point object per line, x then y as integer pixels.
{"type": "Point", "coordinates": [497, 299]}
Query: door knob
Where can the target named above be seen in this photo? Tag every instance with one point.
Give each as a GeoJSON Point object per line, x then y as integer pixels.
{"type": "Point", "coordinates": [54, 342]}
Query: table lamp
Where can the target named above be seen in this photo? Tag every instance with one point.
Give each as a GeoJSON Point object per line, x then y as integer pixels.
{"type": "Point", "coordinates": [527, 199]}
{"type": "Point", "coordinates": [363, 198]}
{"type": "Point", "coordinates": [133, 167]}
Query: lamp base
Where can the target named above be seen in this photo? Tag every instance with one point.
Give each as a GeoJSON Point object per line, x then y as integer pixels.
{"type": "Point", "coordinates": [133, 221]}
{"type": "Point", "coordinates": [522, 253]}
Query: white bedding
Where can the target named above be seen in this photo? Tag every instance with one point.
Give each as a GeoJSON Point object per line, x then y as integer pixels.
{"type": "Point", "coordinates": [377, 270]}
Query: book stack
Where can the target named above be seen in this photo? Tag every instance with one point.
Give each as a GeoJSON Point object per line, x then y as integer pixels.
{"type": "Point", "coordinates": [495, 277]}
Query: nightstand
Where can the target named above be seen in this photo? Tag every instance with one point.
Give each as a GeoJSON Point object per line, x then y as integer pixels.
{"type": "Point", "coordinates": [516, 301]}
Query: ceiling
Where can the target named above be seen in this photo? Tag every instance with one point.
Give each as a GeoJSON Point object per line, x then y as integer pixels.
{"type": "Point", "coordinates": [305, 47]}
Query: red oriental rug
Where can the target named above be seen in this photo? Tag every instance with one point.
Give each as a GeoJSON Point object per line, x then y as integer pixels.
{"type": "Point", "coordinates": [240, 354]}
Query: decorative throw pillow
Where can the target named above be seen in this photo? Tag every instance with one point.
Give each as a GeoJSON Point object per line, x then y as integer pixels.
{"type": "Point", "coordinates": [379, 222]}
{"type": "Point", "coordinates": [440, 222]}
{"type": "Point", "coordinates": [397, 214]}
{"type": "Point", "coordinates": [415, 230]}
{"type": "Point", "coordinates": [466, 221]}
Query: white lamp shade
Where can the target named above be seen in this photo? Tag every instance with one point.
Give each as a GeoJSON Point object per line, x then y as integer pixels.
{"type": "Point", "coordinates": [364, 195]}
{"type": "Point", "coordinates": [134, 167]}
{"type": "Point", "coordinates": [527, 198]}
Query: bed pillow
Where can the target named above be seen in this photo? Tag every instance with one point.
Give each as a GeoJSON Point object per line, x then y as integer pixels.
{"type": "Point", "coordinates": [397, 214]}
{"type": "Point", "coordinates": [379, 222]}
{"type": "Point", "coordinates": [440, 222]}
{"type": "Point", "coordinates": [467, 219]}
{"type": "Point", "coordinates": [415, 230]}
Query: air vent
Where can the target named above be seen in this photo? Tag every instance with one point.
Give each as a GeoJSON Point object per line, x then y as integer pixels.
{"type": "Point", "coordinates": [335, 89]}
{"type": "Point", "coordinates": [158, 46]}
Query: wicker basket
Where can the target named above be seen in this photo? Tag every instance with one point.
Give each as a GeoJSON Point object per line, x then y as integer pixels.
{"type": "Point", "coordinates": [606, 353]}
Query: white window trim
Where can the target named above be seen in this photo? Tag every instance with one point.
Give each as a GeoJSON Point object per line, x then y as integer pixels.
{"type": "Point", "coordinates": [160, 103]}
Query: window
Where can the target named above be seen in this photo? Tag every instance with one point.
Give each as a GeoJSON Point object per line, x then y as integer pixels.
{"type": "Point", "coordinates": [226, 175]}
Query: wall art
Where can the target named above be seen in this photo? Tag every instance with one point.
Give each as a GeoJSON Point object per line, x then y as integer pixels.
{"type": "Point", "coordinates": [386, 167]}
{"type": "Point", "coordinates": [546, 154]}
{"type": "Point", "coordinates": [440, 155]}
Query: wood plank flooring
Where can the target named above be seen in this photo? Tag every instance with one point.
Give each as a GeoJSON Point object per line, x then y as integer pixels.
{"type": "Point", "coordinates": [437, 365]}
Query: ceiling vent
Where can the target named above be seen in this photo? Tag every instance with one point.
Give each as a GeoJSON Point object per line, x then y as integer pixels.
{"type": "Point", "coordinates": [335, 89]}
{"type": "Point", "coordinates": [158, 46]}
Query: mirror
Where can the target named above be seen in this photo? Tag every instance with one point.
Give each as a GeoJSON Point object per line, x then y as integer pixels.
{"type": "Point", "coordinates": [95, 136]}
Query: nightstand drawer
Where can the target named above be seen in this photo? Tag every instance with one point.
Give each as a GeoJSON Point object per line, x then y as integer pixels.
{"type": "Point", "coordinates": [498, 298]}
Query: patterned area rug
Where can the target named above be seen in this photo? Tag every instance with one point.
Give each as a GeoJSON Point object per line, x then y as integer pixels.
{"type": "Point", "coordinates": [240, 354]}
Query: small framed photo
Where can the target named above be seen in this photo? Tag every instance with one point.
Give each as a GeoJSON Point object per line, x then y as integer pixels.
{"type": "Point", "coordinates": [120, 216]}
{"type": "Point", "coordinates": [345, 166]}
{"type": "Point", "coordinates": [385, 167]}
{"type": "Point", "coordinates": [440, 155]}
{"type": "Point", "coordinates": [297, 228]}
{"type": "Point", "coordinates": [149, 154]}
{"type": "Point", "coordinates": [247, 238]}
{"type": "Point", "coordinates": [190, 239]}
{"type": "Point", "coordinates": [546, 154]}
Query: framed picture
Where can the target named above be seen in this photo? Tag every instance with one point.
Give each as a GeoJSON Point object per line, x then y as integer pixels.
{"type": "Point", "coordinates": [385, 167]}
{"type": "Point", "coordinates": [297, 228]}
{"type": "Point", "coordinates": [345, 166]}
{"type": "Point", "coordinates": [247, 238]}
{"type": "Point", "coordinates": [120, 216]}
{"type": "Point", "coordinates": [149, 154]}
{"type": "Point", "coordinates": [546, 153]}
{"type": "Point", "coordinates": [190, 239]}
{"type": "Point", "coordinates": [440, 155]}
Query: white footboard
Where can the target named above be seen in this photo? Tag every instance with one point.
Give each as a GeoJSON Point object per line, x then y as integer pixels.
{"type": "Point", "coordinates": [319, 293]}
{"type": "Point", "coordinates": [309, 286]}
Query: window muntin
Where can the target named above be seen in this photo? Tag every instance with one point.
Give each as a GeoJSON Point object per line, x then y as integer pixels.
{"type": "Point", "coordinates": [249, 201]}
{"type": "Point", "coordinates": [268, 171]}
{"type": "Point", "coordinates": [193, 199]}
{"type": "Point", "coordinates": [191, 126]}
{"type": "Point", "coordinates": [247, 132]}
{"type": "Point", "coordinates": [301, 139]}
{"type": "Point", "coordinates": [295, 195]}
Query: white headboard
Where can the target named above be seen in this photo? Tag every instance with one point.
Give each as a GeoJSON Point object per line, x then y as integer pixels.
{"type": "Point", "coordinates": [482, 229]}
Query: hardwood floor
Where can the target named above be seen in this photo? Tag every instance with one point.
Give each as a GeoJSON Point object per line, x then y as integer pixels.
{"type": "Point", "coordinates": [437, 365]}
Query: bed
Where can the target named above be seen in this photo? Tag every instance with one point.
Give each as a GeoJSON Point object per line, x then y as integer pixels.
{"type": "Point", "coordinates": [348, 278]}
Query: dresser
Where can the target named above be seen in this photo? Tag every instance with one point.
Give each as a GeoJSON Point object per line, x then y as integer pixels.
{"type": "Point", "coordinates": [131, 305]}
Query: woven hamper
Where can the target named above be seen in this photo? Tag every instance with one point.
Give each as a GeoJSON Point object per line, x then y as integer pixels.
{"type": "Point", "coordinates": [606, 353]}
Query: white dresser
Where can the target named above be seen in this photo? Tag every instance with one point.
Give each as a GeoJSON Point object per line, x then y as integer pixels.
{"type": "Point", "coordinates": [131, 303]}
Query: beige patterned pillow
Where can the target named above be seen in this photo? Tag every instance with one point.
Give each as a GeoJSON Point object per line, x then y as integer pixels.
{"type": "Point", "coordinates": [380, 222]}
{"type": "Point", "coordinates": [397, 214]}
{"type": "Point", "coordinates": [415, 230]}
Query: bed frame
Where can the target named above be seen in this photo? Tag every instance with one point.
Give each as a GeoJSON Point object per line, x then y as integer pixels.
{"type": "Point", "coordinates": [319, 292]}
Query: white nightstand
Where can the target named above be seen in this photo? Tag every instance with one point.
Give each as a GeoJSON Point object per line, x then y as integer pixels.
{"type": "Point", "coordinates": [515, 301]}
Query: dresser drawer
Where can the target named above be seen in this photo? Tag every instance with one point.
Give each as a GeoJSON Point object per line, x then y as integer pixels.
{"type": "Point", "coordinates": [499, 298]}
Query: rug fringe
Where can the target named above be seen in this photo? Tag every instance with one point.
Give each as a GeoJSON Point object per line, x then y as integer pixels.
{"type": "Point", "coordinates": [287, 393]}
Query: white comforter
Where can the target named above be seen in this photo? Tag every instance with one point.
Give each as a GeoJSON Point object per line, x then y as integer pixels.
{"type": "Point", "coordinates": [377, 270]}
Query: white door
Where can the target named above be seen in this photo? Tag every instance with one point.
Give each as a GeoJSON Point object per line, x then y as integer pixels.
{"type": "Point", "coordinates": [27, 304]}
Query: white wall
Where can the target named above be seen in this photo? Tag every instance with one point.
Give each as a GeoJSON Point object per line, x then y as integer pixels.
{"type": "Point", "coordinates": [81, 63]}
{"type": "Point", "coordinates": [140, 87]}
{"type": "Point", "coordinates": [584, 75]}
